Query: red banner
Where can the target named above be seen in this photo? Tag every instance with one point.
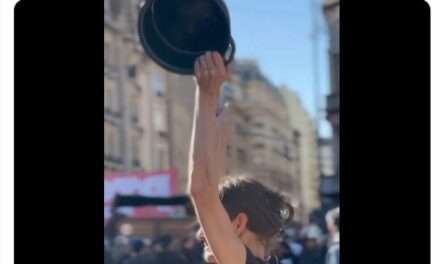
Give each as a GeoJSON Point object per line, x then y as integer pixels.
{"type": "Point", "coordinates": [157, 184]}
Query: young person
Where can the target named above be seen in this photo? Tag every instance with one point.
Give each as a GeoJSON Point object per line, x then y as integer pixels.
{"type": "Point", "coordinates": [240, 216]}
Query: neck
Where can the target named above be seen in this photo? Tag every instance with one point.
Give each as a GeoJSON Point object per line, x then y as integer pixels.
{"type": "Point", "coordinates": [257, 248]}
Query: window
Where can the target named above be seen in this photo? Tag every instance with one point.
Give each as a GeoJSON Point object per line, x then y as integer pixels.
{"type": "Point", "coordinates": [241, 155]}
{"type": "Point", "coordinates": [162, 162]}
{"type": "Point", "coordinates": [275, 132]}
{"type": "Point", "coordinates": [336, 71]}
{"type": "Point", "coordinates": [112, 143]}
{"type": "Point", "coordinates": [107, 98]}
{"type": "Point", "coordinates": [106, 53]}
{"type": "Point", "coordinates": [157, 82]}
{"type": "Point", "coordinates": [112, 149]}
{"type": "Point", "coordinates": [259, 125]}
{"type": "Point", "coordinates": [286, 150]}
{"type": "Point", "coordinates": [296, 138]}
{"type": "Point", "coordinates": [110, 97]}
{"type": "Point", "coordinates": [259, 146]}
{"type": "Point", "coordinates": [240, 130]}
{"type": "Point", "coordinates": [228, 150]}
{"type": "Point", "coordinates": [109, 56]}
{"type": "Point", "coordinates": [107, 140]}
{"type": "Point", "coordinates": [107, 59]}
{"type": "Point", "coordinates": [115, 8]}
{"type": "Point", "coordinates": [163, 134]}
{"type": "Point", "coordinates": [131, 71]}
{"type": "Point", "coordinates": [134, 107]}
{"type": "Point", "coordinates": [136, 150]}
{"type": "Point", "coordinates": [159, 122]}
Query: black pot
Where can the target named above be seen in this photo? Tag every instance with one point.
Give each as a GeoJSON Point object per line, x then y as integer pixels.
{"type": "Point", "coordinates": [174, 33]}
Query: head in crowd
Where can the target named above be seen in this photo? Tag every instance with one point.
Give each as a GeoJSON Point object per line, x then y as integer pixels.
{"type": "Point", "coordinates": [332, 219]}
{"type": "Point", "coordinates": [137, 246]}
{"type": "Point", "coordinates": [161, 244]}
{"type": "Point", "coordinates": [257, 213]}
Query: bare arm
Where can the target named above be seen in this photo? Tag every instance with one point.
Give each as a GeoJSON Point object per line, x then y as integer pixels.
{"type": "Point", "coordinates": [207, 155]}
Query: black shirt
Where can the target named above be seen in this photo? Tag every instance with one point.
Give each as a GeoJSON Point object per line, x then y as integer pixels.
{"type": "Point", "coordinates": [251, 259]}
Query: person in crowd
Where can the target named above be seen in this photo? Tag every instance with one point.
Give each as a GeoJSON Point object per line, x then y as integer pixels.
{"type": "Point", "coordinates": [120, 249]}
{"type": "Point", "coordinates": [107, 256]}
{"type": "Point", "coordinates": [286, 256]}
{"type": "Point", "coordinates": [192, 250]}
{"type": "Point", "coordinates": [139, 253]}
{"type": "Point", "coordinates": [332, 219]}
{"type": "Point", "coordinates": [294, 244]}
{"type": "Point", "coordinates": [164, 253]}
{"type": "Point", "coordinates": [238, 216]}
{"type": "Point", "coordinates": [314, 251]}
{"type": "Point", "coordinates": [289, 249]}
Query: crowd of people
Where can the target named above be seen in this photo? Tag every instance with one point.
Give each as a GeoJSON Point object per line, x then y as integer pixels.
{"type": "Point", "coordinates": [296, 245]}
{"type": "Point", "coordinates": [164, 249]}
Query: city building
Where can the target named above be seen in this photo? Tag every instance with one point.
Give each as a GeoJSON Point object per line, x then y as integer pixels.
{"type": "Point", "coordinates": [135, 116]}
{"type": "Point", "coordinates": [331, 12]}
{"type": "Point", "coordinates": [326, 154]}
{"type": "Point", "coordinates": [329, 183]}
{"type": "Point", "coordinates": [180, 99]}
{"type": "Point", "coordinates": [261, 140]}
{"type": "Point", "coordinates": [304, 132]}
{"type": "Point", "coordinates": [148, 118]}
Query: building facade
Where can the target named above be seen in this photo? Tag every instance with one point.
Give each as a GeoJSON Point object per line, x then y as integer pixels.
{"type": "Point", "coordinates": [180, 99]}
{"type": "Point", "coordinates": [331, 12]}
{"type": "Point", "coordinates": [304, 132]}
{"type": "Point", "coordinates": [262, 144]}
{"type": "Point", "coordinates": [326, 154]}
{"type": "Point", "coordinates": [148, 118]}
{"type": "Point", "coordinates": [135, 118]}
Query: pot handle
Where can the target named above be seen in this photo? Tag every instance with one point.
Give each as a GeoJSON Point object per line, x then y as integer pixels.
{"type": "Point", "coordinates": [230, 51]}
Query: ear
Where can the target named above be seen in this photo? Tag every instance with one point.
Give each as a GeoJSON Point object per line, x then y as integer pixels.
{"type": "Point", "coordinates": [240, 223]}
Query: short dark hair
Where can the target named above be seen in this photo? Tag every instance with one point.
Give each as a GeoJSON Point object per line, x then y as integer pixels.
{"type": "Point", "coordinates": [267, 210]}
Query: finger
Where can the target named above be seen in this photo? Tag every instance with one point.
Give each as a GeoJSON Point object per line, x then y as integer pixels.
{"type": "Point", "coordinates": [204, 70]}
{"type": "Point", "coordinates": [210, 64]}
{"type": "Point", "coordinates": [219, 63]}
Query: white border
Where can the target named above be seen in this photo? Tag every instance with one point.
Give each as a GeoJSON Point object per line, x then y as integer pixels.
{"type": "Point", "coordinates": [435, 130]}
{"type": "Point", "coordinates": [7, 132]}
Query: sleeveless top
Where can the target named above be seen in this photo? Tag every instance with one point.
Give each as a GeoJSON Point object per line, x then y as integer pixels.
{"type": "Point", "coordinates": [251, 259]}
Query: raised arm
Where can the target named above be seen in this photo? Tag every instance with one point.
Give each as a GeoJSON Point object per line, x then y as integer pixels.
{"type": "Point", "coordinates": [207, 162]}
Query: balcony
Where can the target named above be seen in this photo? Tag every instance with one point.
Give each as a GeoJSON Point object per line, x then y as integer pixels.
{"type": "Point", "coordinates": [134, 118]}
{"type": "Point", "coordinates": [333, 103]}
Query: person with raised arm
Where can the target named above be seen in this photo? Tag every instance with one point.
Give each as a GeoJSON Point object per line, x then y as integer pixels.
{"type": "Point", "coordinates": [238, 216]}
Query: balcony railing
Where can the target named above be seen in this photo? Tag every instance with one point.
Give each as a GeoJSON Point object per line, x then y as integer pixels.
{"type": "Point", "coordinates": [333, 103]}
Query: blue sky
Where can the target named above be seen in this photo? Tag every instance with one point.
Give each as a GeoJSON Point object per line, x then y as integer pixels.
{"type": "Point", "coordinates": [278, 34]}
